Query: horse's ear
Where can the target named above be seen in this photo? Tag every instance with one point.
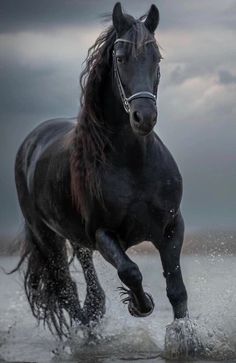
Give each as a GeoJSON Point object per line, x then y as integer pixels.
{"type": "Point", "coordinates": [120, 21]}
{"type": "Point", "coordinates": [152, 19]}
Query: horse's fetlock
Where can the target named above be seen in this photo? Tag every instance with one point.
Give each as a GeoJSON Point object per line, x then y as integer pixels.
{"type": "Point", "coordinates": [177, 296]}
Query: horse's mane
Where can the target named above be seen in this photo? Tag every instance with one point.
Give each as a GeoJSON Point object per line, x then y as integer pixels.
{"type": "Point", "coordinates": [91, 135]}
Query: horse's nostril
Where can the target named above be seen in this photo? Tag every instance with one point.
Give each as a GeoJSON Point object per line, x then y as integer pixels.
{"type": "Point", "coordinates": [137, 116]}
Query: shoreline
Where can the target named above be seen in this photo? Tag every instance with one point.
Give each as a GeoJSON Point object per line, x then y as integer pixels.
{"type": "Point", "coordinates": [197, 243]}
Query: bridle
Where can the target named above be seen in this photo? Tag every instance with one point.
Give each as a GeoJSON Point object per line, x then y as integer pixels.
{"type": "Point", "coordinates": [126, 100]}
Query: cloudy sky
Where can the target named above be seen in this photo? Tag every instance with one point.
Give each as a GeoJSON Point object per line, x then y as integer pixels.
{"type": "Point", "coordinates": [42, 47]}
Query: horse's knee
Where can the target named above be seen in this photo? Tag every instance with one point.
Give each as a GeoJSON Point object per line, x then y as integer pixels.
{"type": "Point", "coordinates": [102, 234]}
{"type": "Point", "coordinates": [130, 275]}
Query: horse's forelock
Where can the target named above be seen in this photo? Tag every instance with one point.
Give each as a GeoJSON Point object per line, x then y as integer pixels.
{"type": "Point", "coordinates": [138, 35]}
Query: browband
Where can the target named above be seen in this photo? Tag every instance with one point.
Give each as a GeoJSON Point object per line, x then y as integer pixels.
{"type": "Point", "coordinates": [129, 41]}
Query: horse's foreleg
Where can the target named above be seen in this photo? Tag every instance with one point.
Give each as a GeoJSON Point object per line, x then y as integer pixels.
{"type": "Point", "coordinates": [139, 303]}
{"type": "Point", "coordinates": [170, 250]}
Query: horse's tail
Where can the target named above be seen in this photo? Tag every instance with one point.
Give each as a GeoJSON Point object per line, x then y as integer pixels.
{"type": "Point", "coordinates": [50, 291]}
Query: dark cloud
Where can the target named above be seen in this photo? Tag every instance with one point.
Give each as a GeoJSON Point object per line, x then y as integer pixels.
{"type": "Point", "coordinates": [40, 15]}
{"type": "Point", "coordinates": [228, 16]}
{"type": "Point", "coordinates": [179, 75]}
{"type": "Point", "coordinates": [32, 14]}
{"type": "Point", "coordinates": [34, 91]}
{"type": "Point", "coordinates": [226, 77]}
{"type": "Point", "coordinates": [25, 15]}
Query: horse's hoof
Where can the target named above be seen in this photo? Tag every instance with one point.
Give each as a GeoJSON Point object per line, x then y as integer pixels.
{"type": "Point", "coordinates": [133, 310]}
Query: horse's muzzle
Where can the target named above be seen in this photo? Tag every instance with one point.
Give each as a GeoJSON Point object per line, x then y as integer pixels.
{"type": "Point", "coordinates": [143, 116]}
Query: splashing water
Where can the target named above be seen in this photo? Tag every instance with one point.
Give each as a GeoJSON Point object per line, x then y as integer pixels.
{"type": "Point", "coordinates": [182, 340]}
{"type": "Point", "coordinates": [212, 334]}
{"type": "Point", "coordinates": [187, 338]}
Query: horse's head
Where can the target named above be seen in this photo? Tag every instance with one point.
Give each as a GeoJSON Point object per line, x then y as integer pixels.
{"type": "Point", "coordinates": [136, 59]}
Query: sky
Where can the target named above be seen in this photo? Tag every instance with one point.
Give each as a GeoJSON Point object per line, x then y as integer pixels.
{"type": "Point", "coordinates": [42, 47]}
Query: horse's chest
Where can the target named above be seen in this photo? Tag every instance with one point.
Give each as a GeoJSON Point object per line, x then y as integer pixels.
{"type": "Point", "coordinates": [140, 199]}
{"type": "Point", "coordinates": [156, 199]}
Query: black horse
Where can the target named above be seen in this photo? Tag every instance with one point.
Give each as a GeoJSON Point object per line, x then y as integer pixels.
{"type": "Point", "coordinates": [104, 182]}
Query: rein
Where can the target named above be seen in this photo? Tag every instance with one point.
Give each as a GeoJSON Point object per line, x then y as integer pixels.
{"type": "Point", "coordinates": [126, 100]}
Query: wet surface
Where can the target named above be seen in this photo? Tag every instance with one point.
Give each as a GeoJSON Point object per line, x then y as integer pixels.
{"type": "Point", "coordinates": [209, 335]}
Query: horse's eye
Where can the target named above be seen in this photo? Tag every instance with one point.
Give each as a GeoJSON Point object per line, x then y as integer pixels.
{"type": "Point", "coordinates": [120, 59]}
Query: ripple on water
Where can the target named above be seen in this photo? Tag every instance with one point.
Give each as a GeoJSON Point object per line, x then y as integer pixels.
{"type": "Point", "coordinates": [97, 345]}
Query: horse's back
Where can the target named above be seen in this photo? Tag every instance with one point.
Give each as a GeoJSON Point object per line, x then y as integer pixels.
{"type": "Point", "coordinates": [45, 134]}
{"type": "Point", "coordinates": [39, 139]}
{"type": "Point", "coordinates": [33, 148]}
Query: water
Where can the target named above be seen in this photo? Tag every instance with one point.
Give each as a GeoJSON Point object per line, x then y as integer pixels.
{"type": "Point", "coordinates": [210, 334]}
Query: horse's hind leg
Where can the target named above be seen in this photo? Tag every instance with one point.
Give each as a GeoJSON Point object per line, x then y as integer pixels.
{"type": "Point", "coordinates": [94, 304]}
{"type": "Point", "coordinates": [140, 304]}
{"type": "Point", "coordinates": [49, 288]}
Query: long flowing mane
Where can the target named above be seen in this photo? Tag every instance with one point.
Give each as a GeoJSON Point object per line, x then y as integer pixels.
{"type": "Point", "coordinates": [91, 136]}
